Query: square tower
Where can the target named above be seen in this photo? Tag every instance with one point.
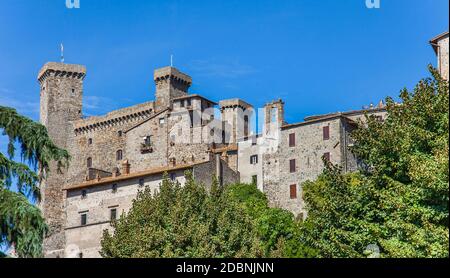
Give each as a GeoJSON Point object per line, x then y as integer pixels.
{"type": "Point", "coordinates": [170, 83]}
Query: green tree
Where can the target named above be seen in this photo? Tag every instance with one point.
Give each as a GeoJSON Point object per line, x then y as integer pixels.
{"type": "Point", "coordinates": [277, 229]}
{"type": "Point", "coordinates": [21, 222]}
{"type": "Point", "coordinates": [400, 199]}
{"type": "Point", "coordinates": [182, 222]}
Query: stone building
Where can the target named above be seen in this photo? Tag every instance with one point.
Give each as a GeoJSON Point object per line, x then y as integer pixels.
{"type": "Point", "coordinates": [174, 133]}
{"type": "Point", "coordinates": [440, 45]}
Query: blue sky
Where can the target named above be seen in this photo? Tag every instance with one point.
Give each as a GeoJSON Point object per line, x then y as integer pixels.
{"type": "Point", "coordinates": [318, 56]}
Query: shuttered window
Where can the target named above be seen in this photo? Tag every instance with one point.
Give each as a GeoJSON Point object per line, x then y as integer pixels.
{"type": "Point", "coordinates": [292, 140]}
{"type": "Point", "coordinates": [293, 191]}
{"type": "Point", "coordinates": [292, 165]}
{"type": "Point", "coordinates": [326, 132]}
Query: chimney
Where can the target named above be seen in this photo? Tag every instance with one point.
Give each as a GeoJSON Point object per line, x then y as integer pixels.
{"type": "Point", "coordinates": [126, 167]}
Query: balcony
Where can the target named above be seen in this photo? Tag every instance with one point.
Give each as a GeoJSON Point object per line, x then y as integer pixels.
{"type": "Point", "coordinates": [146, 148]}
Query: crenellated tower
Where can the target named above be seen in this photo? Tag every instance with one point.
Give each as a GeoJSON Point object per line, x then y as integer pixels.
{"type": "Point", "coordinates": [170, 83]}
{"type": "Point", "coordinates": [61, 91]}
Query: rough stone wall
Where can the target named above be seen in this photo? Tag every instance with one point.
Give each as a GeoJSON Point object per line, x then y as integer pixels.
{"type": "Point", "coordinates": [61, 101]}
{"type": "Point", "coordinates": [443, 58]}
{"type": "Point", "coordinates": [246, 169]}
{"type": "Point", "coordinates": [97, 205]}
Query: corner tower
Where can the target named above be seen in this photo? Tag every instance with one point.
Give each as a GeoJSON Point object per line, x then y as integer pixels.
{"type": "Point", "coordinates": [61, 90]}
{"type": "Point", "coordinates": [170, 83]}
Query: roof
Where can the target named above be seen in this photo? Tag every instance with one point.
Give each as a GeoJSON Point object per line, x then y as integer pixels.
{"type": "Point", "coordinates": [348, 113]}
{"type": "Point", "coordinates": [434, 41]}
{"type": "Point", "coordinates": [195, 96]}
{"type": "Point", "coordinates": [342, 115]}
{"type": "Point", "coordinates": [149, 172]}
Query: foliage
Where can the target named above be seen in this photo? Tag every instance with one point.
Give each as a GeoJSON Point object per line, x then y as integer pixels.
{"type": "Point", "coordinates": [21, 222]}
{"type": "Point", "coordinates": [182, 222]}
{"type": "Point", "coordinates": [276, 228]}
{"type": "Point", "coordinates": [399, 201]}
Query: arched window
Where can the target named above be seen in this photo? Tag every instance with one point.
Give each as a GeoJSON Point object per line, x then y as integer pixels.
{"type": "Point", "coordinates": [89, 162]}
{"type": "Point", "coordinates": [119, 155]}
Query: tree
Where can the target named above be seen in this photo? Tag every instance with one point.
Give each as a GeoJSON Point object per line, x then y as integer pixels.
{"type": "Point", "coordinates": [277, 229]}
{"type": "Point", "coordinates": [21, 222]}
{"type": "Point", "coordinates": [400, 200]}
{"type": "Point", "coordinates": [182, 222]}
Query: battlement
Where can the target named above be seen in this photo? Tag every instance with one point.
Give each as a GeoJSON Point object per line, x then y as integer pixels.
{"type": "Point", "coordinates": [171, 73]}
{"type": "Point", "coordinates": [117, 117]}
{"type": "Point", "coordinates": [61, 70]}
{"type": "Point", "coordinates": [233, 103]}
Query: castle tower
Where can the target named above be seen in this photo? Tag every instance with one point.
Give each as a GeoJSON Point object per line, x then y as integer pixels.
{"type": "Point", "coordinates": [60, 103]}
{"type": "Point", "coordinates": [170, 83]}
{"type": "Point", "coordinates": [273, 116]}
{"type": "Point", "coordinates": [236, 114]}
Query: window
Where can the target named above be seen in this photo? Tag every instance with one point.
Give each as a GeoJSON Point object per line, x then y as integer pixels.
{"type": "Point", "coordinates": [211, 132]}
{"type": "Point", "coordinates": [89, 162]}
{"type": "Point", "coordinates": [188, 102]}
{"type": "Point", "coordinates": [120, 133]}
{"type": "Point", "coordinates": [114, 188]}
{"type": "Point", "coordinates": [141, 182]}
{"type": "Point", "coordinates": [182, 103]}
{"type": "Point", "coordinates": [292, 165]}
{"type": "Point", "coordinates": [80, 255]}
{"type": "Point", "coordinates": [326, 156]}
{"type": "Point", "coordinates": [84, 219]}
{"type": "Point", "coordinates": [113, 214]}
{"type": "Point", "coordinates": [293, 191]}
{"type": "Point", "coordinates": [245, 126]}
{"type": "Point", "coordinates": [90, 141]}
{"type": "Point", "coordinates": [173, 176]}
{"type": "Point", "coordinates": [326, 132]}
{"type": "Point", "coordinates": [255, 179]}
{"type": "Point", "coordinates": [162, 121]}
{"type": "Point", "coordinates": [119, 155]}
{"type": "Point", "coordinates": [292, 140]}
{"type": "Point", "coordinates": [147, 141]}
{"type": "Point", "coordinates": [73, 91]}
{"type": "Point", "coordinates": [254, 159]}
{"type": "Point", "coordinates": [83, 193]}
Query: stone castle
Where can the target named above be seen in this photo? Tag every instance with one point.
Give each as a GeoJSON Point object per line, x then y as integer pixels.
{"type": "Point", "coordinates": [116, 155]}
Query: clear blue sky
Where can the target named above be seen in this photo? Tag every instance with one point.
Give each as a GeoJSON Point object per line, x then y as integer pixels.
{"type": "Point", "coordinates": [318, 56]}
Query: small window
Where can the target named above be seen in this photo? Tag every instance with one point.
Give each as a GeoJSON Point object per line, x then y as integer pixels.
{"type": "Point", "coordinates": [326, 133]}
{"type": "Point", "coordinates": [73, 91]}
{"type": "Point", "coordinates": [113, 214]}
{"type": "Point", "coordinates": [141, 182]}
{"type": "Point", "coordinates": [83, 193]}
{"type": "Point", "coordinates": [90, 141]}
{"type": "Point", "coordinates": [173, 176]}
{"type": "Point", "coordinates": [162, 121]}
{"type": "Point", "coordinates": [292, 165]}
{"type": "Point", "coordinates": [254, 159]}
{"type": "Point", "coordinates": [255, 179]}
{"type": "Point", "coordinates": [182, 103]}
{"type": "Point", "coordinates": [147, 140]}
{"type": "Point", "coordinates": [89, 162]}
{"type": "Point", "coordinates": [292, 140]}
{"type": "Point", "coordinates": [80, 255]}
{"type": "Point", "coordinates": [189, 103]}
{"type": "Point", "coordinates": [327, 156]}
{"type": "Point", "coordinates": [293, 191]}
{"type": "Point", "coordinates": [114, 188]}
{"type": "Point", "coordinates": [84, 219]}
{"type": "Point", "coordinates": [119, 155]}
{"type": "Point", "coordinates": [120, 133]}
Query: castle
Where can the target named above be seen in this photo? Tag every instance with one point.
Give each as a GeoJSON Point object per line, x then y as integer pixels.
{"type": "Point", "coordinates": [116, 155]}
